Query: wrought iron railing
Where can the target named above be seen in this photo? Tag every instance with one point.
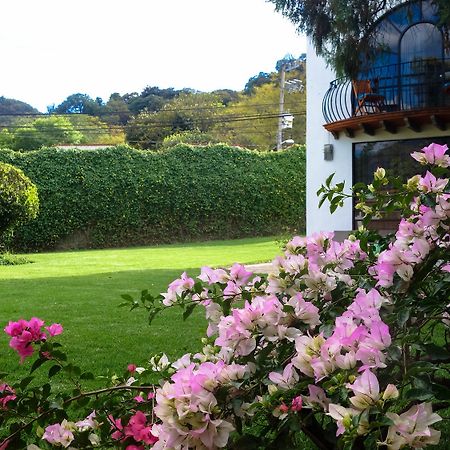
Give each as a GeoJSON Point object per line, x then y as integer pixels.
{"type": "Point", "coordinates": [413, 85]}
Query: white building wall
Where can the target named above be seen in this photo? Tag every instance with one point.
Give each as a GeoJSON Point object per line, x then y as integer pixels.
{"type": "Point", "coordinates": [318, 78]}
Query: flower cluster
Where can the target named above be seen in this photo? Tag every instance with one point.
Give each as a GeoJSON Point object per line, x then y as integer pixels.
{"type": "Point", "coordinates": [137, 433]}
{"type": "Point", "coordinates": [190, 412]}
{"type": "Point", "coordinates": [24, 333]}
{"type": "Point", "coordinates": [62, 434]}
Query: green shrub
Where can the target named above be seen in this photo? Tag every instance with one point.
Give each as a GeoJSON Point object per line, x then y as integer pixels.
{"type": "Point", "coordinates": [121, 196]}
{"type": "Point", "coordinates": [19, 201]}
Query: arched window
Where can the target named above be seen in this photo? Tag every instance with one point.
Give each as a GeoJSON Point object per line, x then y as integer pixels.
{"type": "Point", "coordinates": [421, 41]}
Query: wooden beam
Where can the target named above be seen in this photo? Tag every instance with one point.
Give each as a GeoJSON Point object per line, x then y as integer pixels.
{"type": "Point", "coordinates": [439, 122]}
{"type": "Point", "coordinates": [413, 124]}
{"type": "Point", "coordinates": [368, 129]}
{"type": "Point", "coordinates": [335, 134]}
{"type": "Point", "coordinates": [350, 132]}
{"type": "Point", "coordinates": [390, 127]}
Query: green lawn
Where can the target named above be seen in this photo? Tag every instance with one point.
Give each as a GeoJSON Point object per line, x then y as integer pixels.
{"type": "Point", "coordinates": [82, 289]}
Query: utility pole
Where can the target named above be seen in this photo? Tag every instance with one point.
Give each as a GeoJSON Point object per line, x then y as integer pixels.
{"type": "Point", "coordinates": [286, 66]}
{"type": "Point", "coordinates": [280, 118]}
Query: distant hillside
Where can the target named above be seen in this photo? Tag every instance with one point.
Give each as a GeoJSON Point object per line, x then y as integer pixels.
{"type": "Point", "coordinates": [13, 107]}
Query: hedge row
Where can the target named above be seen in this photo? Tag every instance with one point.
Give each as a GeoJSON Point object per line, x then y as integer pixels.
{"type": "Point", "coordinates": [121, 196]}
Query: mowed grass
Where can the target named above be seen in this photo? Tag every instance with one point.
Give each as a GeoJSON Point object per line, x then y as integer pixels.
{"type": "Point", "coordinates": [82, 291]}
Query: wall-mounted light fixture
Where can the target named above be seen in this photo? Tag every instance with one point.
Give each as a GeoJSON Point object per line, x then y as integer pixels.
{"type": "Point", "coordinates": [328, 152]}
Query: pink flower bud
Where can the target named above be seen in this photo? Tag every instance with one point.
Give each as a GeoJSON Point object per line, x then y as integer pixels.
{"type": "Point", "coordinates": [297, 403]}
{"type": "Point", "coordinates": [283, 408]}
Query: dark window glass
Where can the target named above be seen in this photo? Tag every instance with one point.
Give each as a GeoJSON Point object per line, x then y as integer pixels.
{"type": "Point", "coordinates": [395, 157]}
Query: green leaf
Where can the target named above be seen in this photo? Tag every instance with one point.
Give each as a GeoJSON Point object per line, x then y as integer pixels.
{"type": "Point", "coordinates": [322, 200]}
{"type": "Point", "coordinates": [418, 394]}
{"type": "Point", "coordinates": [59, 355]}
{"type": "Point", "coordinates": [54, 370]}
{"type": "Point", "coordinates": [87, 376]}
{"type": "Point", "coordinates": [328, 180]}
{"type": "Point", "coordinates": [38, 363]}
{"type": "Point", "coordinates": [436, 353]}
{"type": "Point", "coordinates": [403, 316]}
{"type": "Point", "coordinates": [128, 298]}
{"type": "Point", "coordinates": [189, 309]}
{"type": "Point", "coordinates": [340, 186]}
{"type": "Point", "coordinates": [441, 392]}
{"type": "Point", "coordinates": [288, 309]}
{"type": "Point", "coordinates": [25, 382]}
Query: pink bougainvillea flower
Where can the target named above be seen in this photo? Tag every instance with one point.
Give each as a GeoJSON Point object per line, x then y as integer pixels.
{"type": "Point", "coordinates": [54, 329]}
{"type": "Point", "coordinates": [429, 183]}
{"type": "Point", "coordinates": [60, 434]}
{"type": "Point", "coordinates": [297, 403]}
{"type": "Point", "coordinates": [140, 429]}
{"type": "Point", "coordinates": [212, 276]}
{"type": "Point", "coordinates": [287, 379]}
{"type": "Point", "coordinates": [342, 416]}
{"type": "Point", "coordinates": [366, 389]}
{"type": "Point", "coordinates": [433, 154]}
{"type": "Point", "coordinates": [317, 397]}
{"type": "Point", "coordinates": [176, 288]}
{"type": "Point", "coordinates": [89, 423]}
{"type": "Point", "coordinates": [412, 428]}
{"type": "Point", "coordinates": [7, 394]}
{"type": "Point", "coordinates": [26, 333]}
{"type": "Point", "coordinates": [239, 274]}
{"type": "Point", "coordinates": [116, 425]}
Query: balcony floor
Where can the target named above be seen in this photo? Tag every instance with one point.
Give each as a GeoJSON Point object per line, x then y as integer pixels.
{"type": "Point", "coordinates": [414, 119]}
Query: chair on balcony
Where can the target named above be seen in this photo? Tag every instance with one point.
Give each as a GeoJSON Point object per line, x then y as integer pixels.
{"type": "Point", "coordinates": [369, 102]}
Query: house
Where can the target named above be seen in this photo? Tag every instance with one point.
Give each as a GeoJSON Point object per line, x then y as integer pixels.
{"type": "Point", "coordinates": [399, 102]}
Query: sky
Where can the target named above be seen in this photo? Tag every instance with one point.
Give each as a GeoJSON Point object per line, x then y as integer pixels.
{"type": "Point", "coordinates": [54, 48]}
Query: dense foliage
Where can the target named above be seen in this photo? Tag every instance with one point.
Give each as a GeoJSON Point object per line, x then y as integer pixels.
{"type": "Point", "coordinates": [342, 30]}
{"type": "Point", "coordinates": [344, 347]}
{"type": "Point", "coordinates": [248, 119]}
{"type": "Point", "coordinates": [19, 201]}
{"type": "Point", "coordinates": [122, 196]}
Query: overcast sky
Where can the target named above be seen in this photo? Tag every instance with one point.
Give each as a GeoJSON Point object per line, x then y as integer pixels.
{"type": "Point", "coordinates": [54, 48]}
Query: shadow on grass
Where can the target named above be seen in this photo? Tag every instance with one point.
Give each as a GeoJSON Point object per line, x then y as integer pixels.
{"type": "Point", "coordinates": [98, 335]}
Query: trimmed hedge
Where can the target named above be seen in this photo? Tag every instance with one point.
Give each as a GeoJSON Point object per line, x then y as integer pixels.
{"type": "Point", "coordinates": [121, 196]}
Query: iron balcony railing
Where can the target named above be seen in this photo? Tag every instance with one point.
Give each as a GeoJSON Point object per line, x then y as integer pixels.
{"type": "Point", "coordinates": [418, 84]}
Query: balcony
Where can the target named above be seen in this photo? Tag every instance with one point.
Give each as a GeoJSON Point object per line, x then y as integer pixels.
{"type": "Point", "coordinates": [412, 94]}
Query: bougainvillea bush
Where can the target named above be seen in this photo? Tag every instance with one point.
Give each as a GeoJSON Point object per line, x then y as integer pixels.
{"type": "Point", "coordinates": [345, 346]}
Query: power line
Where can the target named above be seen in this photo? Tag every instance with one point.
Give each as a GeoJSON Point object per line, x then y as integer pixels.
{"type": "Point", "coordinates": [117, 112]}
{"type": "Point", "coordinates": [202, 120]}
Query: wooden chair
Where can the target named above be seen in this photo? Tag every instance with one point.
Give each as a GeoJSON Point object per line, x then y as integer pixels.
{"type": "Point", "coordinates": [368, 101]}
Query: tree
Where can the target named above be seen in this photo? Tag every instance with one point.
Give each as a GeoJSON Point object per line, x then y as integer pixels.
{"type": "Point", "coordinates": [116, 110]}
{"type": "Point", "coordinates": [257, 80]}
{"type": "Point", "coordinates": [342, 30]}
{"type": "Point", "coordinates": [19, 201]}
{"type": "Point", "coordinates": [79, 104]}
{"type": "Point", "coordinates": [188, 111]}
{"type": "Point", "coordinates": [95, 131]}
{"type": "Point", "coordinates": [46, 132]}
{"type": "Point", "coordinates": [252, 120]}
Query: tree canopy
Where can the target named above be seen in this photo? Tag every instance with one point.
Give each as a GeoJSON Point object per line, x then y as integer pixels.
{"type": "Point", "coordinates": [341, 30]}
